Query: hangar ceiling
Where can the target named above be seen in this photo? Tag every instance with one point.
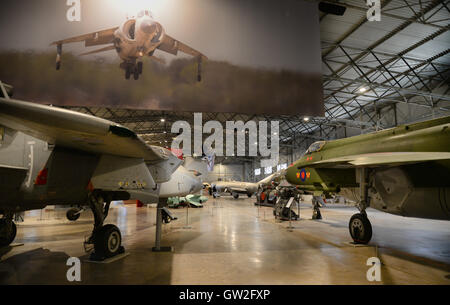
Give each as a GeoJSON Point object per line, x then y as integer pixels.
{"type": "Point", "coordinates": [368, 68]}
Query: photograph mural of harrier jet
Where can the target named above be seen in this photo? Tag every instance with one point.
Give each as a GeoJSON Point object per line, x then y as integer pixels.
{"type": "Point", "coordinates": [137, 37]}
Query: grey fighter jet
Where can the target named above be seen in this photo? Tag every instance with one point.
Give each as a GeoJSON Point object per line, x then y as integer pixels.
{"type": "Point", "coordinates": [137, 37]}
{"type": "Point", "coordinates": [50, 155]}
{"type": "Point", "coordinates": [238, 187]}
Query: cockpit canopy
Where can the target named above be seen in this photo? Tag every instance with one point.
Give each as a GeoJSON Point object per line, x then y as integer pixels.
{"type": "Point", "coordinates": [316, 146]}
{"type": "Point", "coordinates": [145, 13]}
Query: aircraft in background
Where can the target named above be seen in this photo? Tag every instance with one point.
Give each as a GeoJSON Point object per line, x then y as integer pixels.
{"type": "Point", "coordinates": [403, 170]}
{"type": "Point", "coordinates": [137, 37]}
{"type": "Point", "coordinates": [187, 179]}
{"type": "Point", "coordinates": [54, 156]}
{"type": "Point", "coordinates": [238, 187]}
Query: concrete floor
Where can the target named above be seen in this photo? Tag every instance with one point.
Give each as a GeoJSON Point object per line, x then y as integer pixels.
{"type": "Point", "coordinates": [232, 242]}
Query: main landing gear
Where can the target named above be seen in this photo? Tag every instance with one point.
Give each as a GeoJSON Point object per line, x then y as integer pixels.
{"type": "Point", "coordinates": [105, 238]}
{"type": "Point", "coordinates": [8, 230]}
{"type": "Point", "coordinates": [133, 68]}
{"type": "Point", "coordinates": [316, 208]}
{"type": "Point", "coordinates": [360, 228]}
{"type": "Point", "coordinates": [359, 225]}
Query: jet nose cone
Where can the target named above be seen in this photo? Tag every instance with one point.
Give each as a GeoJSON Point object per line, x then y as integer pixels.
{"type": "Point", "coordinates": [148, 27]}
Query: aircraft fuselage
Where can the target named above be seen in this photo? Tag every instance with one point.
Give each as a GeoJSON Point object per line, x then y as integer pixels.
{"type": "Point", "coordinates": [138, 37]}
{"type": "Point", "coordinates": [414, 189]}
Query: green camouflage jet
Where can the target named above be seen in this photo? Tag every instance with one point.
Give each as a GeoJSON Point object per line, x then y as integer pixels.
{"type": "Point", "coordinates": [403, 170]}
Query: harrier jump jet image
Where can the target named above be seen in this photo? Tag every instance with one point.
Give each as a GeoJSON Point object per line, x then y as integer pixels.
{"type": "Point", "coordinates": [137, 37]}
{"type": "Point", "coordinates": [403, 170]}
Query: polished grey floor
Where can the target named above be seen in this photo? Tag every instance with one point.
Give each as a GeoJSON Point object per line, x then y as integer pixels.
{"type": "Point", "coordinates": [232, 242]}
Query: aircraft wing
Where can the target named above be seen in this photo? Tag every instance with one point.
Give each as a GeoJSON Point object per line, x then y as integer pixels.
{"type": "Point", "coordinates": [172, 46]}
{"type": "Point", "coordinates": [91, 39]}
{"type": "Point", "coordinates": [380, 159]}
{"type": "Point", "coordinates": [76, 130]}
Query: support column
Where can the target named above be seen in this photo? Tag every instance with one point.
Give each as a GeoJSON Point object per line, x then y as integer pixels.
{"type": "Point", "coordinates": [162, 202]}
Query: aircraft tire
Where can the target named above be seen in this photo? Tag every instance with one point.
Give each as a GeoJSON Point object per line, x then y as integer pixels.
{"type": "Point", "coordinates": [140, 67]}
{"type": "Point", "coordinates": [127, 73]}
{"type": "Point", "coordinates": [136, 74]}
{"type": "Point", "coordinates": [107, 242]}
{"type": "Point", "coordinates": [249, 195]}
{"type": "Point", "coordinates": [235, 195]}
{"type": "Point", "coordinates": [6, 239]}
{"type": "Point", "coordinates": [360, 228]}
{"type": "Point", "coordinates": [73, 214]}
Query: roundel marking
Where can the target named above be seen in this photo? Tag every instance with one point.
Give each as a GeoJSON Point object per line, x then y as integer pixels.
{"type": "Point", "coordinates": [303, 175]}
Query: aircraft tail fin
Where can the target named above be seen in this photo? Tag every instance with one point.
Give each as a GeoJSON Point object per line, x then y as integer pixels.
{"type": "Point", "coordinates": [209, 159]}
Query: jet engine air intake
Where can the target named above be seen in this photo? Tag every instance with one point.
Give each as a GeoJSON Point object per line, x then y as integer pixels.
{"type": "Point", "coordinates": [129, 29]}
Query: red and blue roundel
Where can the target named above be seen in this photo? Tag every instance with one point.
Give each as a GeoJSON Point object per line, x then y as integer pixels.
{"type": "Point", "coordinates": [303, 175]}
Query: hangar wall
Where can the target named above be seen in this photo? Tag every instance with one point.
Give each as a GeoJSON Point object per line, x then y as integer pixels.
{"type": "Point", "coordinates": [417, 108]}
{"type": "Point", "coordinates": [226, 172]}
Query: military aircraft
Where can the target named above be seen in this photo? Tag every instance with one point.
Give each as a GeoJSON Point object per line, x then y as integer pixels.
{"type": "Point", "coordinates": [238, 187]}
{"type": "Point", "coordinates": [403, 170]}
{"type": "Point", "coordinates": [50, 155]}
{"type": "Point", "coordinates": [185, 180]}
{"type": "Point", "coordinates": [137, 37]}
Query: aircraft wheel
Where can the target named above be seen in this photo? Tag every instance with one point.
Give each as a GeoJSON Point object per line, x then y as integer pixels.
{"type": "Point", "coordinates": [140, 67]}
{"type": "Point", "coordinates": [127, 72]}
{"type": "Point", "coordinates": [360, 228]}
{"type": "Point", "coordinates": [235, 195]}
{"type": "Point", "coordinates": [73, 214]}
{"type": "Point", "coordinates": [6, 237]}
{"type": "Point", "coordinates": [107, 242]}
{"type": "Point", "coordinates": [249, 195]}
{"type": "Point", "coordinates": [166, 218]}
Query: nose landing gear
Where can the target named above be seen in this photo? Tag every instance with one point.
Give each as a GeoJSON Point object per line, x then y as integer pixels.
{"type": "Point", "coordinates": [133, 68]}
{"type": "Point", "coordinates": [359, 225]}
{"type": "Point", "coordinates": [360, 228]}
{"type": "Point", "coordinates": [106, 239]}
